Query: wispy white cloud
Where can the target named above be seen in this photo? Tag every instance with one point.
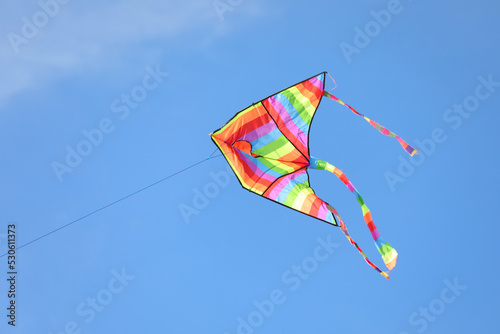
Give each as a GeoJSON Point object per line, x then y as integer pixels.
{"type": "Point", "coordinates": [92, 35]}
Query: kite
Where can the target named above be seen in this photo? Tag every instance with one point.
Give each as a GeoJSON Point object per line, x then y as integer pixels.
{"type": "Point", "coordinates": [267, 147]}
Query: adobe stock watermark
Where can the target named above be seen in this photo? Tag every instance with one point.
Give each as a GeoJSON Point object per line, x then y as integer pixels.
{"type": "Point", "coordinates": [121, 107]}
{"type": "Point", "coordinates": [88, 310]}
{"type": "Point", "coordinates": [31, 25]}
{"type": "Point", "coordinates": [455, 116]}
{"type": "Point", "coordinates": [364, 36]}
{"type": "Point", "coordinates": [292, 278]}
{"type": "Point", "coordinates": [419, 320]}
{"type": "Point", "coordinates": [204, 195]}
{"type": "Point", "coordinates": [222, 6]}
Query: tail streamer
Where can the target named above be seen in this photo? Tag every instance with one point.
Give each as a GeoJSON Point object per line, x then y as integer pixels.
{"type": "Point", "coordinates": [389, 254]}
{"type": "Point", "coordinates": [411, 151]}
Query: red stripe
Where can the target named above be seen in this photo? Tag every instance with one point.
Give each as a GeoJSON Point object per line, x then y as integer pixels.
{"type": "Point", "coordinates": [276, 182]}
{"type": "Point", "coordinates": [230, 135]}
{"type": "Point", "coordinates": [371, 226]}
{"type": "Point", "coordinates": [248, 175]}
{"type": "Point", "coordinates": [316, 206]}
{"type": "Point", "coordinates": [314, 90]}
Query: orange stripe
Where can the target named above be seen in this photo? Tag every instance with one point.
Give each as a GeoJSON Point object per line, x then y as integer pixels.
{"type": "Point", "coordinates": [308, 202]}
{"type": "Point", "coordinates": [236, 130]}
{"type": "Point", "coordinates": [368, 217]}
{"type": "Point", "coordinates": [314, 93]}
{"type": "Point", "coordinates": [245, 122]}
{"type": "Point", "coordinates": [245, 173]}
{"type": "Point", "coordinates": [311, 96]}
{"type": "Point", "coordinates": [316, 206]}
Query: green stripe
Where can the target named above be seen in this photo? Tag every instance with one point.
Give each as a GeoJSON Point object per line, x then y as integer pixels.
{"type": "Point", "coordinates": [305, 110]}
{"type": "Point", "coordinates": [292, 196]}
{"type": "Point", "coordinates": [269, 150]}
{"type": "Point", "coordinates": [322, 165]}
{"type": "Point", "coordinates": [385, 250]}
{"type": "Point", "coordinates": [304, 192]}
{"type": "Point", "coordinates": [276, 166]}
{"type": "Point", "coordinates": [365, 209]}
{"type": "Point", "coordinates": [306, 102]}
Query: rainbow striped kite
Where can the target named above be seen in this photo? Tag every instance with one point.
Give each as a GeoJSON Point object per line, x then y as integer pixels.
{"type": "Point", "coordinates": [267, 146]}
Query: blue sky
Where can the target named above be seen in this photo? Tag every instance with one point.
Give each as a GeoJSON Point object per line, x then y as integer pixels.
{"type": "Point", "coordinates": [137, 86]}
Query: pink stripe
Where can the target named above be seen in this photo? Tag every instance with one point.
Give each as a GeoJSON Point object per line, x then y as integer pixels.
{"type": "Point", "coordinates": [375, 234]}
{"type": "Point", "coordinates": [316, 82]}
{"type": "Point", "coordinates": [322, 211]}
{"type": "Point", "coordinates": [259, 132]}
{"type": "Point", "coordinates": [282, 183]}
{"type": "Point", "coordinates": [350, 186]}
{"type": "Point", "coordinates": [287, 120]}
{"type": "Point", "coordinates": [259, 172]}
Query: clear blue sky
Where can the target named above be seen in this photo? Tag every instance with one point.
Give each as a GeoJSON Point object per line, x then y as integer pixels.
{"type": "Point", "coordinates": [147, 81]}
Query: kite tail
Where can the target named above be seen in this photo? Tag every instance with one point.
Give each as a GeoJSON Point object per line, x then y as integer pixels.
{"type": "Point", "coordinates": [376, 125]}
{"type": "Point", "coordinates": [389, 254]}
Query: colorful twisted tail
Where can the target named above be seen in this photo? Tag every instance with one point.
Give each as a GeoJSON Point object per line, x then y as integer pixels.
{"type": "Point", "coordinates": [389, 254]}
{"type": "Point", "coordinates": [376, 125]}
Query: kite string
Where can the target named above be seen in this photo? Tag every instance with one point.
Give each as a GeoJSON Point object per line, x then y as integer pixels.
{"type": "Point", "coordinates": [115, 202]}
{"type": "Point", "coordinates": [210, 156]}
{"type": "Point", "coordinates": [333, 81]}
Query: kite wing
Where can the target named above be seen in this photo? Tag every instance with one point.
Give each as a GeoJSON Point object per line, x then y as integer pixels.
{"type": "Point", "coordinates": [267, 146]}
